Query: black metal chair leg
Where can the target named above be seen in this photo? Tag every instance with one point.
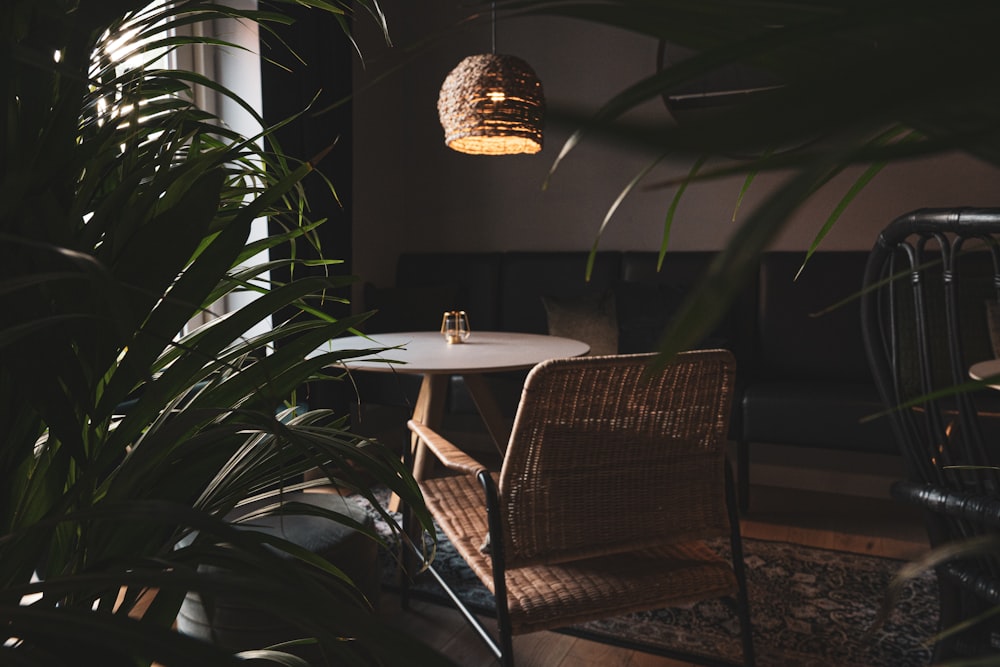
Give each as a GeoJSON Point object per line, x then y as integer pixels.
{"type": "Point", "coordinates": [739, 569]}
{"type": "Point", "coordinates": [743, 474]}
{"type": "Point", "coordinates": [504, 629]}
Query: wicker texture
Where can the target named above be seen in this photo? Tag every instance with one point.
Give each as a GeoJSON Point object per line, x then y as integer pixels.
{"type": "Point", "coordinates": [612, 479]}
{"type": "Point", "coordinates": [542, 597]}
{"type": "Point", "coordinates": [649, 445]}
{"type": "Point", "coordinates": [492, 104]}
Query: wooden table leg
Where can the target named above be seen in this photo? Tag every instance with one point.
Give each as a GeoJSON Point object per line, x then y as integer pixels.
{"type": "Point", "coordinates": [429, 411]}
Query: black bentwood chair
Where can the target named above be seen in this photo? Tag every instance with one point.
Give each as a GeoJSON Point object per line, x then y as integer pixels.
{"type": "Point", "coordinates": [930, 303]}
{"type": "Point", "coordinates": [613, 479]}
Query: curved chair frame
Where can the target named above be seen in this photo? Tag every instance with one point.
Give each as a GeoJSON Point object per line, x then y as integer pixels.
{"type": "Point", "coordinates": [926, 290]}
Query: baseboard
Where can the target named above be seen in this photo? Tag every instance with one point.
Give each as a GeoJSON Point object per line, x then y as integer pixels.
{"type": "Point", "coordinates": [824, 470]}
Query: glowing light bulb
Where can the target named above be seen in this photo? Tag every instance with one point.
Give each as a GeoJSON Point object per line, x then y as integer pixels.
{"type": "Point", "coordinates": [496, 95]}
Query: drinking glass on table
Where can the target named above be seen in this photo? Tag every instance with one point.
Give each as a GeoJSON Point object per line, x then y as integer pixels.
{"type": "Point", "coordinates": [455, 326]}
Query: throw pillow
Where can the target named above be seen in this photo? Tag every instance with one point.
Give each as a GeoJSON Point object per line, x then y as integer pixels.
{"type": "Point", "coordinates": [590, 318]}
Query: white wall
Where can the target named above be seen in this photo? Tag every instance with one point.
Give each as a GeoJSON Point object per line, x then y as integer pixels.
{"type": "Point", "coordinates": [411, 193]}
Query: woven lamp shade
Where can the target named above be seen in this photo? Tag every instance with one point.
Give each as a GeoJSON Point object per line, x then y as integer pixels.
{"type": "Point", "coordinates": [492, 105]}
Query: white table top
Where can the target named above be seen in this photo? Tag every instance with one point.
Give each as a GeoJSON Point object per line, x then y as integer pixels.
{"type": "Point", "coordinates": [985, 369]}
{"type": "Point", "coordinates": [427, 352]}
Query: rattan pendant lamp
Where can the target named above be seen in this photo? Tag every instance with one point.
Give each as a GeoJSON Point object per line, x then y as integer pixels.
{"type": "Point", "coordinates": [492, 104]}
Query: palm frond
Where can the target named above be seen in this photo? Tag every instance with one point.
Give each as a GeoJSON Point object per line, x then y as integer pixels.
{"type": "Point", "coordinates": [125, 210]}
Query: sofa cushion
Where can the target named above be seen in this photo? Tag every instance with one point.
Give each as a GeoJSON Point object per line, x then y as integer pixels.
{"type": "Point", "coordinates": [591, 318]}
{"type": "Point", "coordinates": [819, 414]}
{"type": "Point", "coordinates": [809, 326]}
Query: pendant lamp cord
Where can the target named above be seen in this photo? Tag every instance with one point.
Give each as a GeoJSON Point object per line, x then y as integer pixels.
{"type": "Point", "coordinates": [493, 25]}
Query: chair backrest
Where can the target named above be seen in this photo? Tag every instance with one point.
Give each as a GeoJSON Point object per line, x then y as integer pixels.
{"type": "Point", "coordinates": [931, 284]}
{"type": "Point", "coordinates": [607, 457]}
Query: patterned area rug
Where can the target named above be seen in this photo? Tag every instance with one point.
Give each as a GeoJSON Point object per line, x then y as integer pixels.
{"type": "Point", "coordinates": [810, 608]}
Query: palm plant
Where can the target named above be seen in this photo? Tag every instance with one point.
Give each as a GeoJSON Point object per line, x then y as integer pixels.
{"type": "Point", "coordinates": [124, 212]}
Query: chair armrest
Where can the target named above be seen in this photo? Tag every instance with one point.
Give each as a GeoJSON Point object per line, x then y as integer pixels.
{"type": "Point", "coordinates": [451, 456]}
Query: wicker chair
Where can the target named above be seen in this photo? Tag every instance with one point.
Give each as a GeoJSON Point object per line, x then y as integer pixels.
{"type": "Point", "coordinates": [612, 480]}
{"type": "Point", "coordinates": [930, 291]}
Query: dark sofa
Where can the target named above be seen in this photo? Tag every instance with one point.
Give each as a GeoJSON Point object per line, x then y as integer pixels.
{"type": "Point", "coordinates": [802, 372]}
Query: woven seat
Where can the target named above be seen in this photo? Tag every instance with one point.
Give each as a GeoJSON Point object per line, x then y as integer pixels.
{"type": "Point", "coordinates": [613, 480]}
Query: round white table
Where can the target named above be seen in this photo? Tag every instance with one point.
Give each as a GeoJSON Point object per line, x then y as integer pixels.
{"type": "Point", "coordinates": [427, 353]}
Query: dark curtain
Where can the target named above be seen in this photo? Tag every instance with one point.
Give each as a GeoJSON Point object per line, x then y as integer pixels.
{"type": "Point", "coordinates": [305, 88]}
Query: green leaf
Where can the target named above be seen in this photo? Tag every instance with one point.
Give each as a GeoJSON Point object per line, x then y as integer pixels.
{"type": "Point", "coordinates": [668, 223]}
{"type": "Point", "coordinates": [614, 207]}
{"type": "Point", "coordinates": [859, 184]}
{"type": "Point", "coordinates": [114, 230]}
{"type": "Point", "coordinates": [732, 266]}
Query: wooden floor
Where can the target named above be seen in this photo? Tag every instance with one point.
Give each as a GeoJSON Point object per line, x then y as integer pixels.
{"type": "Point", "coordinates": [830, 521]}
